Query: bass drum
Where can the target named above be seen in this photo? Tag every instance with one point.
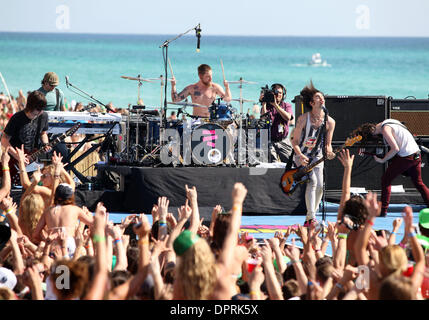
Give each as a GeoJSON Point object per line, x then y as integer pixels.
{"type": "Point", "coordinates": [210, 144]}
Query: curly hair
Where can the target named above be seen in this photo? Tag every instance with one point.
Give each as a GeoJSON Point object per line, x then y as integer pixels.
{"type": "Point", "coordinates": [366, 130]}
{"type": "Point", "coordinates": [30, 211]}
{"type": "Point", "coordinates": [355, 208]}
{"type": "Point", "coordinates": [196, 270]}
{"type": "Point", "coordinates": [307, 94]}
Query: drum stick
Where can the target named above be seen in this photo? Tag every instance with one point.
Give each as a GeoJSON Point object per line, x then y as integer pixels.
{"type": "Point", "coordinates": [171, 69]}
{"type": "Point", "coordinates": [223, 72]}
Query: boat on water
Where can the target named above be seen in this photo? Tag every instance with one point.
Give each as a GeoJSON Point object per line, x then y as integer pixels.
{"type": "Point", "coordinates": [316, 60]}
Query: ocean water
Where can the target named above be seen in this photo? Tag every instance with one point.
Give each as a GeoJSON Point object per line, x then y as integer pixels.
{"type": "Point", "coordinates": [397, 67]}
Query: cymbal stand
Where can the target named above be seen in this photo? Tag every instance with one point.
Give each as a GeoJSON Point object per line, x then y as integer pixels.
{"type": "Point", "coordinates": [161, 128]}
{"type": "Point", "coordinates": [128, 133]}
{"type": "Point", "coordinates": [240, 130]}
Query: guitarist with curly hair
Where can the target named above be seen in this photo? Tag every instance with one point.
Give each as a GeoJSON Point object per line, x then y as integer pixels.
{"type": "Point", "coordinates": [307, 144]}
{"type": "Point", "coordinates": [403, 156]}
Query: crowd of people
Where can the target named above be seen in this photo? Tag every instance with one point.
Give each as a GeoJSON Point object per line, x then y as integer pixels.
{"type": "Point", "coordinates": [56, 250]}
{"type": "Point", "coordinates": [52, 249]}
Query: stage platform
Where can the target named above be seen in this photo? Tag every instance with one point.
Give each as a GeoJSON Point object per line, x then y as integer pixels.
{"type": "Point", "coordinates": [139, 188]}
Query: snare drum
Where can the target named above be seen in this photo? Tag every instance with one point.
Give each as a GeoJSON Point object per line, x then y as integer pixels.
{"type": "Point", "coordinates": [210, 144]}
{"type": "Point", "coordinates": [221, 112]}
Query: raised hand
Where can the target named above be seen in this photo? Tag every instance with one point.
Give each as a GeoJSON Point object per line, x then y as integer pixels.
{"type": "Point", "coordinates": [408, 219]}
{"type": "Point", "coordinates": [372, 205]}
{"type": "Point", "coordinates": [191, 193]}
{"type": "Point", "coordinates": [345, 158]}
{"type": "Point", "coordinates": [22, 157]}
{"type": "Point", "coordinates": [396, 224]}
{"type": "Point", "coordinates": [184, 211]}
{"type": "Point", "coordinates": [292, 252]}
{"type": "Point", "coordinates": [239, 193]}
{"type": "Point", "coordinates": [163, 203]}
{"type": "Point", "coordinates": [142, 228]}
{"type": "Point", "coordinates": [37, 175]}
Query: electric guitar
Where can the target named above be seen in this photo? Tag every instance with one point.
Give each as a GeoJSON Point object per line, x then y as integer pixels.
{"type": "Point", "coordinates": [293, 177]}
{"type": "Point", "coordinates": [32, 156]}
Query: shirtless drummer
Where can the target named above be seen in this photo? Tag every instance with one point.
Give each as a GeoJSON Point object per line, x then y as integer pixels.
{"type": "Point", "coordinates": [203, 92]}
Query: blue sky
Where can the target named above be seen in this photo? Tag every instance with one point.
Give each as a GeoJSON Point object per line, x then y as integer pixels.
{"type": "Point", "coordinates": [222, 17]}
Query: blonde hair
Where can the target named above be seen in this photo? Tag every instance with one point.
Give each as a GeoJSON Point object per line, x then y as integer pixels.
{"type": "Point", "coordinates": [394, 259]}
{"type": "Point", "coordinates": [196, 270]}
{"type": "Point", "coordinates": [396, 287]}
{"type": "Point", "coordinates": [31, 209]}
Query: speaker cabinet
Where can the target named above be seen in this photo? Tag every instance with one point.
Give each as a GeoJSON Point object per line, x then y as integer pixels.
{"type": "Point", "coordinates": [366, 172]}
{"type": "Point", "coordinates": [413, 113]}
{"type": "Point", "coordinates": [349, 112]}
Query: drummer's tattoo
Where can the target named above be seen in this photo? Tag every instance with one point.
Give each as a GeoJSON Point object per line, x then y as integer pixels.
{"type": "Point", "coordinates": [197, 93]}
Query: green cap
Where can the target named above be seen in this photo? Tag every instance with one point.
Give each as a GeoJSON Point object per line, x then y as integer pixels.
{"type": "Point", "coordinates": [285, 259]}
{"type": "Point", "coordinates": [424, 218]}
{"type": "Point", "coordinates": [184, 241]}
{"type": "Point", "coordinates": [424, 241]}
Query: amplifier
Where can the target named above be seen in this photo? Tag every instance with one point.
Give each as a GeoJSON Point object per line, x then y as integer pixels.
{"type": "Point", "coordinates": [413, 113]}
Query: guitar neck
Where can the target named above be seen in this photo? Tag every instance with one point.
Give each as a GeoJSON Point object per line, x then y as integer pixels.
{"type": "Point", "coordinates": [51, 144]}
{"type": "Point", "coordinates": [311, 166]}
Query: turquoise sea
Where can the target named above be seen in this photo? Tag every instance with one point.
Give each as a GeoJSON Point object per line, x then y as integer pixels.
{"type": "Point", "coordinates": [397, 67]}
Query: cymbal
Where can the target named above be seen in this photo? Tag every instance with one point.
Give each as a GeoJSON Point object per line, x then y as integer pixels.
{"type": "Point", "coordinates": [136, 78]}
{"type": "Point", "coordinates": [244, 100]}
{"type": "Point", "coordinates": [190, 104]}
{"type": "Point", "coordinates": [241, 81]}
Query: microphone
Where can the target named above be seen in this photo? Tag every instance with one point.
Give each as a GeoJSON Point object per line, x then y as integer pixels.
{"type": "Point", "coordinates": [325, 109]}
{"type": "Point", "coordinates": [198, 34]}
{"type": "Point", "coordinates": [67, 81]}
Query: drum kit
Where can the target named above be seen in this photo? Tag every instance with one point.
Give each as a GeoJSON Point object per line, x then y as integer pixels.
{"type": "Point", "coordinates": [196, 141]}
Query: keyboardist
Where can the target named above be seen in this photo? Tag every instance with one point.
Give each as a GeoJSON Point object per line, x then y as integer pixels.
{"type": "Point", "coordinates": [55, 101]}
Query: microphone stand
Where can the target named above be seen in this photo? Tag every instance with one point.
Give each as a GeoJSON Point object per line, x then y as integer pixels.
{"type": "Point", "coordinates": [164, 47]}
{"type": "Point", "coordinates": [90, 97]}
{"type": "Point", "coordinates": [324, 171]}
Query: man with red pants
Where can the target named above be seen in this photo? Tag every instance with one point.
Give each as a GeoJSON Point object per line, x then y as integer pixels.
{"type": "Point", "coordinates": [404, 156]}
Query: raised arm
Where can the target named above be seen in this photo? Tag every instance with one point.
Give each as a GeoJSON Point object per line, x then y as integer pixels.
{"type": "Point", "coordinates": [175, 97]}
{"type": "Point", "coordinates": [418, 254]}
{"type": "Point", "coordinates": [98, 285]}
{"type": "Point", "coordinates": [396, 224]}
{"type": "Point", "coordinates": [239, 193]}
{"type": "Point", "coordinates": [347, 163]}
{"type": "Point", "coordinates": [191, 194]}
{"type": "Point", "coordinates": [273, 286]}
{"type": "Point", "coordinates": [6, 183]}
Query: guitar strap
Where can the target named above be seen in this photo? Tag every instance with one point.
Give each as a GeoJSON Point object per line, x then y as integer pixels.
{"type": "Point", "coordinates": [37, 137]}
{"type": "Point", "coordinates": [57, 106]}
{"type": "Point", "coordinates": [319, 139]}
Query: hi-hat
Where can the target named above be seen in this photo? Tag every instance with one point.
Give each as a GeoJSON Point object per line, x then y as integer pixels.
{"type": "Point", "coordinates": [137, 78]}
{"type": "Point", "coordinates": [190, 104]}
{"type": "Point", "coordinates": [243, 100]}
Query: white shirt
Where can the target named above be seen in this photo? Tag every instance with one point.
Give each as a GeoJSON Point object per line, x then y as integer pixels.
{"type": "Point", "coordinates": [403, 137]}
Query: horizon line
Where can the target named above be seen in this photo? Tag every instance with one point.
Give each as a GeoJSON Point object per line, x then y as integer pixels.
{"type": "Point", "coordinates": [216, 35]}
